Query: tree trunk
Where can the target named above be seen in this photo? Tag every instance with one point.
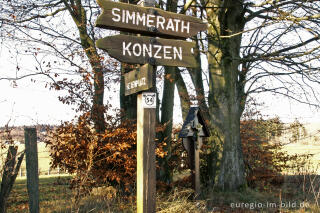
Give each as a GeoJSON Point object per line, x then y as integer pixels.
{"type": "Point", "coordinates": [165, 173]}
{"type": "Point", "coordinates": [232, 165]}
{"type": "Point", "coordinates": [128, 104]}
{"type": "Point", "coordinates": [183, 94]}
{"type": "Point", "coordinates": [10, 172]}
{"type": "Point", "coordinates": [78, 14]}
{"type": "Point", "coordinates": [197, 80]}
{"type": "Point", "coordinates": [225, 92]}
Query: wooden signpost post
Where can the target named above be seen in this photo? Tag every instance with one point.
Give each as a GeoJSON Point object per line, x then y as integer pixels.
{"type": "Point", "coordinates": [149, 52]}
{"type": "Point", "coordinates": [146, 159]}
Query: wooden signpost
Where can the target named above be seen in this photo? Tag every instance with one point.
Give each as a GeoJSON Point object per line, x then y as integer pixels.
{"type": "Point", "coordinates": [148, 51]}
{"type": "Point", "coordinates": [155, 51]}
{"type": "Point", "coordinates": [146, 159]}
{"type": "Point", "coordinates": [147, 20]}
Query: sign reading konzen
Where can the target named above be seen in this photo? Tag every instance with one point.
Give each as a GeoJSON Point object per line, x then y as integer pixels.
{"type": "Point", "coordinates": [147, 20]}
{"type": "Point", "coordinates": [143, 50]}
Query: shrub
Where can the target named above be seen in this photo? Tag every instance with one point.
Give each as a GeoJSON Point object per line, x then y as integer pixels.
{"type": "Point", "coordinates": [94, 158]}
{"type": "Point", "coordinates": [265, 160]}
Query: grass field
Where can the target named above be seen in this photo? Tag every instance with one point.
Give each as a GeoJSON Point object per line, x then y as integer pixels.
{"type": "Point", "coordinates": [43, 160]}
{"type": "Point", "coordinates": [56, 196]}
{"type": "Point", "coordinates": [313, 165]}
{"type": "Point", "coordinates": [54, 193]}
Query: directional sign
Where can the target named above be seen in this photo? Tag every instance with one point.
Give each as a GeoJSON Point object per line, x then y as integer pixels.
{"type": "Point", "coordinates": [143, 50]}
{"type": "Point", "coordinates": [147, 20]}
{"type": "Point", "coordinates": [138, 80]}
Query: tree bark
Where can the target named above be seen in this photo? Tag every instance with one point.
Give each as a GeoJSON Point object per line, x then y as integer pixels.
{"type": "Point", "coordinates": [183, 94]}
{"type": "Point", "coordinates": [10, 172]}
{"type": "Point", "coordinates": [165, 173]}
{"type": "Point", "coordinates": [225, 95]}
{"type": "Point", "coordinates": [128, 104]}
{"type": "Point", "coordinates": [197, 80]}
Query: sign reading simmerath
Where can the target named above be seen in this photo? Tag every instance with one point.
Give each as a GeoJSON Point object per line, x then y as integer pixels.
{"type": "Point", "coordinates": [147, 20]}
{"type": "Point", "coordinates": [143, 50]}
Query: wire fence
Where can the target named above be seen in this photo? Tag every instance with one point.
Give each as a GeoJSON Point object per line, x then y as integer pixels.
{"type": "Point", "coordinates": [44, 160]}
{"type": "Point", "coordinates": [42, 172]}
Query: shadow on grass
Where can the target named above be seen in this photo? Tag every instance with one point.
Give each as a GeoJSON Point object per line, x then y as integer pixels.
{"type": "Point", "coordinates": [299, 193]}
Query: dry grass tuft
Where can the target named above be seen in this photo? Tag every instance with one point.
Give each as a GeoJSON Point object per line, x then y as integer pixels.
{"type": "Point", "coordinates": [180, 201]}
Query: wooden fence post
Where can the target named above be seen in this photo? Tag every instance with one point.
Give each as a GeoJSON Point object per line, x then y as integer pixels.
{"type": "Point", "coordinates": [30, 135]}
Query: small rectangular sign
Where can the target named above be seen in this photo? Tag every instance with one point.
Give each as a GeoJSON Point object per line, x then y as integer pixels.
{"type": "Point", "coordinates": [138, 80]}
{"type": "Point", "coordinates": [149, 100]}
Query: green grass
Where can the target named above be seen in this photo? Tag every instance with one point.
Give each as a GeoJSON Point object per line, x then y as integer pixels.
{"type": "Point", "coordinates": [50, 189]}
{"type": "Point", "coordinates": [55, 196]}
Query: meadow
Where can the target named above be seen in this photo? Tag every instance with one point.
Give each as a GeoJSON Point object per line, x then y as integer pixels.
{"type": "Point", "coordinates": [292, 148]}
{"type": "Point", "coordinates": [313, 164]}
{"type": "Point", "coordinates": [56, 196]}
{"type": "Point", "coordinates": [43, 160]}
{"type": "Point", "coordinates": [54, 192]}
{"type": "Point", "coordinates": [300, 192]}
